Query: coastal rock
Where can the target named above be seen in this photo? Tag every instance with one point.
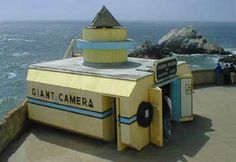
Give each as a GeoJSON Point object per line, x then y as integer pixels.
{"type": "Point", "coordinates": [188, 41]}
{"type": "Point", "coordinates": [229, 59]}
{"type": "Point", "coordinates": [149, 51]}
{"type": "Point", "coordinates": [181, 41]}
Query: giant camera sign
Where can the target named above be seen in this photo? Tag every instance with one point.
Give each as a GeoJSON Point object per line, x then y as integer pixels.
{"type": "Point", "coordinates": [165, 68]}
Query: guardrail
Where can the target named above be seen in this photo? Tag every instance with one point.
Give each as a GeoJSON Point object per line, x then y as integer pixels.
{"type": "Point", "coordinates": [71, 50]}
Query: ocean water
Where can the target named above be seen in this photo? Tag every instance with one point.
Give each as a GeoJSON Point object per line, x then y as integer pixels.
{"type": "Point", "coordinates": [24, 43]}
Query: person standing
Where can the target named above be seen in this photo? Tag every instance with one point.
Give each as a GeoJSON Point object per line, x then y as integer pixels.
{"type": "Point", "coordinates": [232, 73]}
{"type": "Point", "coordinates": [167, 105]}
{"type": "Point", "coordinates": [219, 74]}
{"type": "Point", "coordinates": [226, 74]}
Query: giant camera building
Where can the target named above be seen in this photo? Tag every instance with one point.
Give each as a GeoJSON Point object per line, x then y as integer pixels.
{"type": "Point", "coordinates": [104, 93]}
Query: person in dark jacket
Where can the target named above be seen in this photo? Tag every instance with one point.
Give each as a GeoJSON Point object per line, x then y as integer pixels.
{"type": "Point", "coordinates": [226, 72]}
{"type": "Point", "coordinates": [219, 74]}
{"type": "Point", "coordinates": [232, 73]}
{"type": "Point", "coordinates": [166, 118]}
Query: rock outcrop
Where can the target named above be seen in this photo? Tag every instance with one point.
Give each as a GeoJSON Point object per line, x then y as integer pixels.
{"type": "Point", "coordinates": [180, 41]}
{"type": "Point", "coordinates": [188, 41]}
{"type": "Point", "coordinates": [149, 51]}
{"type": "Point", "coordinates": [229, 59]}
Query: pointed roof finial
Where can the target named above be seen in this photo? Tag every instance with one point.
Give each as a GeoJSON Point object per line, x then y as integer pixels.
{"type": "Point", "coordinates": [104, 19]}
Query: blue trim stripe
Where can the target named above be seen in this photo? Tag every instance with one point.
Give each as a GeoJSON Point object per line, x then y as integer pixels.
{"type": "Point", "coordinates": [95, 114]}
{"type": "Point", "coordinates": [125, 120]}
{"type": "Point", "coordinates": [82, 44]}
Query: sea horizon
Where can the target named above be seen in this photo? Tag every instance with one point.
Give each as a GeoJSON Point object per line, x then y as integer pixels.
{"type": "Point", "coordinates": [121, 20]}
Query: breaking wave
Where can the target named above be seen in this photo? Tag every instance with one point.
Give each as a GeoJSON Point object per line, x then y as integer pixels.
{"type": "Point", "coordinates": [18, 39]}
{"type": "Point", "coordinates": [20, 54]}
{"type": "Point", "coordinates": [232, 50]}
{"type": "Point", "coordinates": [192, 55]}
{"type": "Point", "coordinates": [11, 75]}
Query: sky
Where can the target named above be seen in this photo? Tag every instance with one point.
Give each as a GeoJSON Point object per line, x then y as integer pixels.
{"type": "Point", "coordinates": [130, 10]}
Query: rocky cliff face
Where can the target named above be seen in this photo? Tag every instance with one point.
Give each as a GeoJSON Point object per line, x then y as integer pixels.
{"type": "Point", "coordinates": [181, 41]}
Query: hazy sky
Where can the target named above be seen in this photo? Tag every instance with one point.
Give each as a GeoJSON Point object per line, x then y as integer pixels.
{"type": "Point", "coordinates": [177, 10]}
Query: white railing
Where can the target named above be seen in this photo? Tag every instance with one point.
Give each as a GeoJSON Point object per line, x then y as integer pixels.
{"type": "Point", "coordinates": [71, 50]}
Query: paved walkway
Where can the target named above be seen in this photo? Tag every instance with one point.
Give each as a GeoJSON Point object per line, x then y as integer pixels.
{"type": "Point", "coordinates": [210, 137]}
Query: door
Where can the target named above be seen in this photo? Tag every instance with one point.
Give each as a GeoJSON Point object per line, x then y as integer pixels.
{"type": "Point", "coordinates": [175, 95]}
{"type": "Point", "coordinates": [155, 95]}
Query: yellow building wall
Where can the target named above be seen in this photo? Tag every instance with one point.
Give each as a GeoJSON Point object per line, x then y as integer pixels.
{"type": "Point", "coordinates": [80, 123]}
{"type": "Point", "coordinates": [96, 98]}
{"type": "Point", "coordinates": [101, 35]}
{"type": "Point", "coordinates": [134, 135]}
{"type": "Point", "coordinates": [73, 122]}
{"type": "Point", "coordinates": [104, 34]}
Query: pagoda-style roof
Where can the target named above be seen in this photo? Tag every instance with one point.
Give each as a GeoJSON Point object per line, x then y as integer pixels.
{"type": "Point", "coordinates": [104, 19]}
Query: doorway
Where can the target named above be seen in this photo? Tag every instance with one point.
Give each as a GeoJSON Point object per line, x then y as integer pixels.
{"type": "Point", "coordinates": [114, 117]}
{"type": "Point", "coordinates": [166, 90]}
